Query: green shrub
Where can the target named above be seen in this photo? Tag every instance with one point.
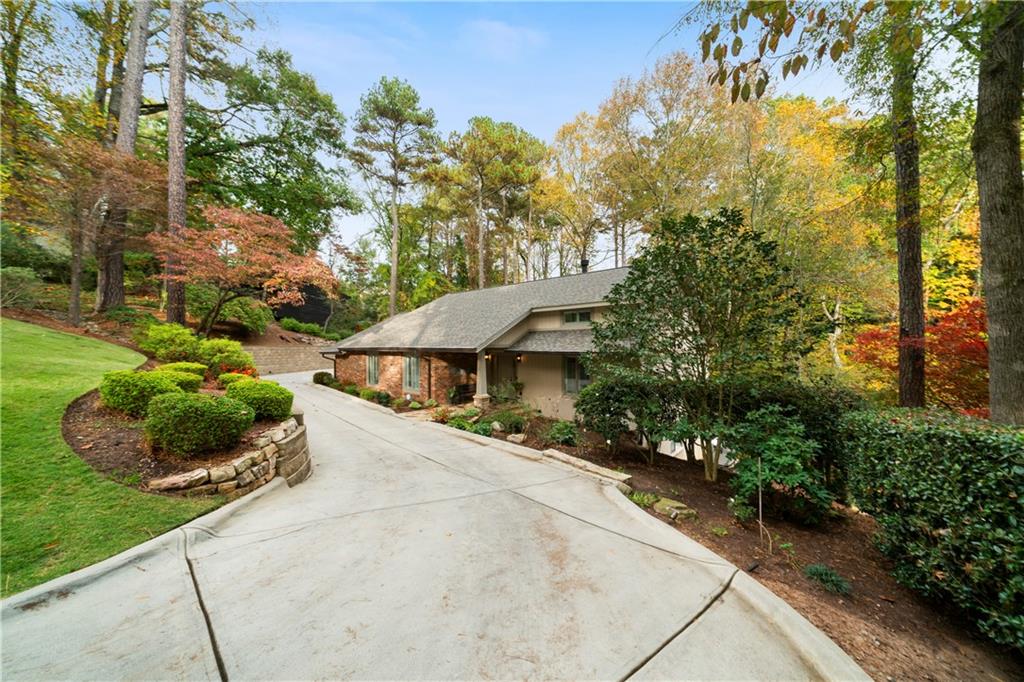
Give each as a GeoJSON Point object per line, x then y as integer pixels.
{"type": "Point", "coordinates": [351, 389]}
{"type": "Point", "coordinates": [441, 415]}
{"type": "Point", "coordinates": [194, 423]}
{"type": "Point", "coordinates": [224, 355]}
{"type": "Point", "coordinates": [267, 399]}
{"type": "Point", "coordinates": [564, 433]}
{"type": "Point", "coordinates": [293, 325]}
{"type": "Point", "coordinates": [470, 412]}
{"type": "Point", "coordinates": [368, 393]}
{"type": "Point", "coordinates": [186, 381]}
{"type": "Point", "coordinates": [413, 405]}
{"type": "Point", "coordinates": [228, 378]}
{"type": "Point", "coordinates": [130, 391]}
{"type": "Point", "coordinates": [122, 314]}
{"type": "Point", "coordinates": [19, 287]}
{"type": "Point", "coordinates": [642, 498]}
{"type": "Point", "coordinates": [461, 423]}
{"type": "Point", "coordinates": [375, 396]}
{"type": "Point", "coordinates": [948, 494]}
{"type": "Point", "coordinates": [431, 403]}
{"type": "Point", "coordinates": [827, 578]}
{"type": "Point", "coordinates": [506, 392]}
{"type": "Point", "coordinates": [772, 453]}
{"type": "Point", "coordinates": [510, 420]}
{"type": "Point", "coordinates": [482, 428]}
{"type": "Point", "coordinates": [168, 342]}
{"type": "Point", "coordinates": [323, 378]}
{"type": "Point", "coordinates": [603, 407]}
{"type": "Point", "coordinates": [196, 368]}
{"type": "Point", "coordinates": [397, 401]}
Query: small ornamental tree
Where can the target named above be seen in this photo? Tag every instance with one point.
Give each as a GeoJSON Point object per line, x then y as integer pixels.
{"type": "Point", "coordinates": [242, 253]}
{"type": "Point", "coordinates": [956, 355]}
{"type": "Point", "coordinates": [705, 302]}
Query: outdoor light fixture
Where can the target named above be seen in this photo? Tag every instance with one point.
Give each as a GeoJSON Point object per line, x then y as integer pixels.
{"type": "Point", "coordinates": [519, 357]}
{"type": "Point", "coordinates": [487, 357]}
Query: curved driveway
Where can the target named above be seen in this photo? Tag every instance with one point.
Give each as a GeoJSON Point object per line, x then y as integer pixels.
{"type": "Point", "coordinates": [413, 553]}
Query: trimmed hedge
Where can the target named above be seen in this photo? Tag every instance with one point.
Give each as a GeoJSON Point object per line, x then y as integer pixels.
{"type": "Point", "coordinates": [197, 368]}
{"type": "Point", "coordinates": [224, 355]}
{"type": "Point", "coordinates": [228, 378]}
{"type": "Point", "coordinates": [948, 494]}
{"type": "Point", "coordinates": [168, 342]}
{"type": "Point", "coordinates": [131, 391]}
{"type": "Point", "coordinates": [193, 423]}
{"type": "Point", "coordinates": [186, 381]}
{"type": "Point", "coordinates": [323, 378]}
{"type": "Point", "coordinates": [267, 399]}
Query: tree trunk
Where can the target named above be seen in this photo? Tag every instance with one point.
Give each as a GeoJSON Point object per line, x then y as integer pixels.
{"type": "Point", "coordinates": [393, 284]}
{"type": "Point", "coordinates": [176, 154]}
{"type": "Point", "coordinates": [75, 293]}
{"type": "Point", "coordinates": [481, 236]}
{"type": "Point", "coordinates": [997, 160]}
{"type": "Point", "coordinates": [103, 57]}
{"type": "Point", "coordinates": [908, 229]}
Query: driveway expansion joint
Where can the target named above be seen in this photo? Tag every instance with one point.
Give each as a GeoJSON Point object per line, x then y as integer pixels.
{"type": "Point", "coordinates": [206, 614]}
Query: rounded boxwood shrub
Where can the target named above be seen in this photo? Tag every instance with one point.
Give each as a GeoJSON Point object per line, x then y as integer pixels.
{"type": "Point", "coordinates": [197, 368]}
{"type": "Point", "coordinates": [323, 378]}
{"type": "Point", "coordinates": [168, 342]}
{"type": "Point", "coordinates": [194, 423]}
{"type": "Point", "coordinates": [267, 399]}
{"type": "Point", "coordinates": [948, 494]}
{"type": "Point", "coordinates": [224, 355]}
{"type": "Point", "coordinates": [131, 391]}
{"type": "Point", "coordinates": [186, 381]}
{"type": "Point", "coordinates": [228, 378]}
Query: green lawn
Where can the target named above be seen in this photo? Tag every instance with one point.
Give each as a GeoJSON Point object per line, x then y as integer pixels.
{"type": "Point", "coordinates": [58, 515]}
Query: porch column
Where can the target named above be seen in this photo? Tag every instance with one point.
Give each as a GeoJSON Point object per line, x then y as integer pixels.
{"type": "Point", "coordinates": [481, 398]}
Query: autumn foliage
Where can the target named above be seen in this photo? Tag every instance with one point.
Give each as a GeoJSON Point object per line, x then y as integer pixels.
{"type": "Point", "coordinates": [239, 254]}
{"type": "Point", "coordinates": [956, 355]}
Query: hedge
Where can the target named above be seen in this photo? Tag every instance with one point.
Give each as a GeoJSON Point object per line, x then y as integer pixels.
{"type": "Point", "coordinates": [193, 423]}
{"type": "Point", "coordinates": [948, 494]}
{"type": "Point", "coordinates": [323, 378]}
{"type": "Point", "coordinates": [186, 381]}
{"type": "Point", "coordinates": [131, 391]}
{"type": "Point", "coordinates": [197, 368]}
{"type": "Point", "coordinates": [267, 399]}
{"type": "Point", "coordinates": [228, 378]}
{"type": "Point", "coordinates": [224, 355]}
{"type": "Point", "coordinates": [168, 342]}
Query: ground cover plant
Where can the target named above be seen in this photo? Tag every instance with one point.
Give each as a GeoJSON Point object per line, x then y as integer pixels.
{"type": "Point", "coordinates": [59, 515]}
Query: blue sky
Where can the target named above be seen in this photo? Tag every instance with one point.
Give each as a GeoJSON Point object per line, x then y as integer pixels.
{"type": "Point", "coordinates": [535, 64]}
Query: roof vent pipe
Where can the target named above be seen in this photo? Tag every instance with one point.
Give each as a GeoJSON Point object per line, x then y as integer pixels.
{"type": "Point", "coordinates": [584, 263]}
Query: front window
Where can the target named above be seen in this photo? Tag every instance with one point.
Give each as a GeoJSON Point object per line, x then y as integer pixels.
{"type": "Point", "coordinates": [411, 374]}
{"type": "Point", "coordinates": [372, 369]}
{"type": "Point", "coordinates": [576, 317]}
{"type": "Point", "coordinates": [574, 375]}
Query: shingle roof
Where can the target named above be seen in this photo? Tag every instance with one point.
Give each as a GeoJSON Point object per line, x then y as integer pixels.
{"type": "Point", "coordinates": [469, 320]}
{"type": "Point", "coordinates": [554, 341]}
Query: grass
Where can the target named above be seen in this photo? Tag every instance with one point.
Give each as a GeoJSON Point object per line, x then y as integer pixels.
{"type": "Point", "coordinates": [642, 499]}
{"type": "Point", "coordinates": [827, 578]}
{"type": "Point", "coordinates": [58, 514]}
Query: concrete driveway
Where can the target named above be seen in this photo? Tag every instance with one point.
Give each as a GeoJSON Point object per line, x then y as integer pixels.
{"type": "Point", "coordinates": [413, 553]}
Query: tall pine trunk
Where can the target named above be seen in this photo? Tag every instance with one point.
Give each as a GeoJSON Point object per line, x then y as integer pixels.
{"type": "Point", "coordinates": [908, 227]}
{"type": "Point", "coordinates": [481, 237]}
{"type": "Point", "coordinates": [176, 154]}
{"type": "Point", "coordinates": [393, 283]}
{"type": "Point", "coordinates": [997, 160]}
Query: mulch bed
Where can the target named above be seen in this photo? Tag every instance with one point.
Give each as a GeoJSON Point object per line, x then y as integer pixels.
{"type": "Point", "coordinates": [115, 445]}
{"type": "Point", "coordinates": [890, 631]}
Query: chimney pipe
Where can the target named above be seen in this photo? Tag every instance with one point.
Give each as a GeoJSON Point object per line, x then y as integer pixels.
{"type": "Point", "coordinates": [583, 264]}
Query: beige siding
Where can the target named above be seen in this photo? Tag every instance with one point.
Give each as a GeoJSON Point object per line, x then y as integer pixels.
{"type": "Point", "coordinates": [541, 375]}
{"type": "Point", "coordinates": [544, 321]}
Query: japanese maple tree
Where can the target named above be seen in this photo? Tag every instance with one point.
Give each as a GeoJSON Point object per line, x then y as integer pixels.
{"type": "Point", "coordinates": [956, 352]}
{"type": "Point", "coordinates": [241, 253]}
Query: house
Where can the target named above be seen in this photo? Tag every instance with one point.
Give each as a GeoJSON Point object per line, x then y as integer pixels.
{"type": "Point", "coordinates": [466, 344]}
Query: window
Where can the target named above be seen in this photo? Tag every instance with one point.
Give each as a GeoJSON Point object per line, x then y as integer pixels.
{"type": "Point", "coordinates": [411, 374]}
{"type": "Point", "coordinates": [372, 369]}
{"type": "Point", "coordinates": [574, 375]}
{"type": "Point", "coordinates": [576, 316]}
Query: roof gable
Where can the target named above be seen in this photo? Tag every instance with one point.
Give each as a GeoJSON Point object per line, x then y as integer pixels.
{"type": "Point", "coordinates": [470, 320]}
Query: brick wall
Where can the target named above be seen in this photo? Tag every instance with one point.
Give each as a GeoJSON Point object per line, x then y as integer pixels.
{"type": "Point", "coordinates": [438, 373]}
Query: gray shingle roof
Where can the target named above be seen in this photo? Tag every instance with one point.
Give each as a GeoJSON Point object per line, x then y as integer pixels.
{"type": "Point", "coordinates": [555, 341]}
{"type": "Point", "coordinates": [469, 320]}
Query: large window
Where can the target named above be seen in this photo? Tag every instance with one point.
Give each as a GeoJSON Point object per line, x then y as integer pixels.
{"type": "Point", "coordinates": [576, 316]}
{"type": "Point", "coordinates": [411, 374]}
{"type": "Point", "coordinates": [574, 375]}
{"type": "Point", "coordinates": [372, 369]}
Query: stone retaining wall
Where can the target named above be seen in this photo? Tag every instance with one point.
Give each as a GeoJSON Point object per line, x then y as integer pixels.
{"type": "Point", "coordinates": [298, 358]}
{"type": "Point", "coordinates": [280, 451]}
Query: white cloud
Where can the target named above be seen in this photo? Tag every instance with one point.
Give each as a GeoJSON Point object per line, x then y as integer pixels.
{"type": "Point", "coordinates": [498, 40]}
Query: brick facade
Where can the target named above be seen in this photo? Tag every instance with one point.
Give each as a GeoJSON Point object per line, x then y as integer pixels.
{"type": "Point", "coordinates": [438, 373]}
